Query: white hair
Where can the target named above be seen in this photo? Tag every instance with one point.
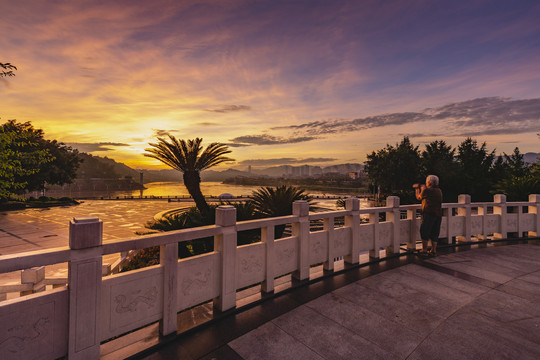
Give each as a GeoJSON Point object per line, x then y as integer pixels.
{"type": "Point", "coordinates": [432, 179]}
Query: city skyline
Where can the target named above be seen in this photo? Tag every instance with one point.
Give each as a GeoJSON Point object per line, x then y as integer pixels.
{"type": "Point", "coordinates": [280, 82]}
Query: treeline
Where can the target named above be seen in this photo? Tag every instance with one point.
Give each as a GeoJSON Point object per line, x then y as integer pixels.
{"type": "Point", "coordinates": [28, 161]}
{"type": "Point", "coordinates": [468, 169]}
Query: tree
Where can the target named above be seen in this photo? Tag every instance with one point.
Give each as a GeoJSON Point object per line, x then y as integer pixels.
{"type": "Point", "coordinates": [475, 169]}
{"type": "Point", "coordinates": [439, 159]}
{"type": "Point", "coordinates": [278, 201]}
{"type": "Point", "coordinates": [62, 168]}
{"type": "Point", "coordinates": [20, 157]}
{"type": "Point", "coordinates": [515, 164]}
{"type": "Point", "coordinates": [190, 158]}
{"type": "Point", "coordinates": [49, 161]}
{"type": "Point", "coordinates": [7, 69]}
{"type": "Point", "coordinates": [395, 169]}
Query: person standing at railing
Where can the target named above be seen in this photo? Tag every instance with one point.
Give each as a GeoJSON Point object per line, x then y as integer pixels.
{"type": "Point", "coordinates": [431, 197]}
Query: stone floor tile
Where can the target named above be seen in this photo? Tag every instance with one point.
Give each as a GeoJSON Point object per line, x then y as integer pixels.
{"type": "Point", "coordinates": [389, 335]}
{"type": "Point", "coordinates": [407, 294]}
{"type": "Point", "coordinates": [270, 342]}
{"type": "Point", "coordinates": [410, 315]}
{"type": "Point", "coordinates": [329, 338]}
{"type": "Point", "coordinates": [533, 277]}
{"type": "Point", "coordinates": [445, 279]}
{"type": "Point", "coordinates": [429, 286]}
{"type": "Point", "coordinates": [463, 266]}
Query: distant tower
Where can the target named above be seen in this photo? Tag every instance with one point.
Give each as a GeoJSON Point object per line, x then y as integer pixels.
{"type": "Point", "coordinates": [249, 169]}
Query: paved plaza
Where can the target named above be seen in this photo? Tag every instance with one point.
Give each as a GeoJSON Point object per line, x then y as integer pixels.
{"type": "Point", "coordinates": [38, 229]}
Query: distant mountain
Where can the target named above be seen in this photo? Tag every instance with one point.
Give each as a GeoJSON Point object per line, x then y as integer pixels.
{"type": "Point", "coordinates": [531, 157]}
{"type": "Point", "coordinates": [105, 168]}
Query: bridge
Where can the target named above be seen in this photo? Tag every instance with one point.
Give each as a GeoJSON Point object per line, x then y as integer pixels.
{"type": "Point", "coordinates": [86, 318]}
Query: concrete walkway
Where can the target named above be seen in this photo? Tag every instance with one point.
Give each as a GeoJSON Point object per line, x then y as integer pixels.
{"type": "Point", "coordinates": [478, 304]}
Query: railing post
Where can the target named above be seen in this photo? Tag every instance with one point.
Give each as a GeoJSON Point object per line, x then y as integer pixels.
{"type": "Point", "coordinates": [374, 219]}
{"type": "Point", "coordinates": [328, 226]}
{"type": "Point", "coordinates": [225, 243]}
{"type": "Point", "coordinates": [352, 221]}
{"type": "Point", "coordinates": [394, 217]}
{"type": "Point", "coordinates": [534, 208]}
{"type": "Point", "coordinates": [267, 237]}
{"type": "Point", "coordinates": [411, 241]}
{"type": "Point", "coordinates": [449, 224]}
{"type": "Point", "coordinates": [499, 208]}
{"type": "Point", "coordinates": [168, 260]}
{"type": "Point", "coordinates": [85, 238]}
{"type": "Point", "coordinates": [465, 211]}
{"type": "Point", "coordinates": [300, 230]}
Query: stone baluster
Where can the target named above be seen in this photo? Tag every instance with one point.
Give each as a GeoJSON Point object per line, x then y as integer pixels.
{"type": "Point", "coordinates": [394, 217]}
{"type": "Point", "coordinates": [482, 210]}
{"type": "Point", "coordinates": [449, 225]}
{"type": "Point", "coordinates": [300, 230]}
{"type": "Point", "coordinates": [413, 233]}
{"type": "Point", "coordinates": [328, 226]}
{"type": "Point", "coordinates": [267, 238]}
{"type": "Point", "coordinates": [85, 239]}
{"type": "Point", "coordinates": [225, 243]}
{"type": "Point", "coordinates": [465, 210]}
{"type": "Point", "coordinates": [534, 208]}
{"type": "Point", "coordinates": [520, 230]}
{"type": "Point", "coordinates": [352, 221]}
{"type": "Point", "coordinates": [374, 219]}
{"type": "Point", "coordinates": [499, 208]}
{"type": "Point", "coordinates": [168, 260]}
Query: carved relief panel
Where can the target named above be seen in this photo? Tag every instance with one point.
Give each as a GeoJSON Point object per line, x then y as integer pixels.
{"type": "Point", "coordinates": [34, 327]}
{"type": "Point", "coordinates": [511, 222]}
{"type": "Point", "coordinates": [342, 242]}
{"type": "Point", "coordinates": [285, 256]}
{"type": "Point", "coordinates": [318, 246]}
{"type": "Point", "coordinates": [131, 300]}
{"type": "Point", "coordinates": [476, 224]}
{"type": "Point", "coordinates": [250, 264]}
{"type": "Point", "coordinates": [198, 279]}
{"type": "Point", "coordinates": [366, 237]}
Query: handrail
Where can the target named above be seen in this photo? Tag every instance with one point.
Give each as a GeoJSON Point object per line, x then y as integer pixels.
{"type": "Point", "coordinates": [112, 305]}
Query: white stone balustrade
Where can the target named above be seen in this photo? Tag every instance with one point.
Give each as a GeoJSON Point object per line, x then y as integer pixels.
{"type": "Point", "coordinates": [73, 321]}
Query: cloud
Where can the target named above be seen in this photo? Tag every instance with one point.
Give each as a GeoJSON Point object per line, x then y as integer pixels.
{"type": "Point", "coordinates": [481, 116]}
{"type": "Point", "coordinates": [162, 132]}
{"type": "Point", "coordinates": [94, 147]}
{"type": "Point", "coordinates": [230, 108]}
{"type": "Point", "coordinates": [283, 161]}
{"type": "Point", "coordinates": [268, 140]}
{"type": "Point", "coordinates": [207, 123]}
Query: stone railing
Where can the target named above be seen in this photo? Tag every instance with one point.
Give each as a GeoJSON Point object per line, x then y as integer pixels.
{"type": "Point", "coordinates": [73, 320]}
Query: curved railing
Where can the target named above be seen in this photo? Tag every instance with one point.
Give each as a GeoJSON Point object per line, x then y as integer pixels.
{"type": "Point", "coordinates": [73, 320]}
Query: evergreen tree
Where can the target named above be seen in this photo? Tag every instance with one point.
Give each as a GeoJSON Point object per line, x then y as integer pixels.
{"type": "Point", "coordinates": [475, 169]}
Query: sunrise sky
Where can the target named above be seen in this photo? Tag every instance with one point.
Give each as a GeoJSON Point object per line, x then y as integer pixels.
{"type": "Point", "coordinates": [282, 82]}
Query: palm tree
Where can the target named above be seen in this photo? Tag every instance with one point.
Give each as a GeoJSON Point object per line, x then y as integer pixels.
{"type": "Point", "coordinates": [190, 158]}
{"type": "Point", "coordinates": [278, 201]}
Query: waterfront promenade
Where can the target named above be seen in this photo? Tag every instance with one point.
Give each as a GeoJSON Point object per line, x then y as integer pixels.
{"type": "Point", "coordinates": [476, 304]}
{"type": "Point", "coordinates": [39, 229]}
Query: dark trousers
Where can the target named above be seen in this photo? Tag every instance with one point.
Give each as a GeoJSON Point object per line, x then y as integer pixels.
{"type": "Point", "coordinates": [430, 227]}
